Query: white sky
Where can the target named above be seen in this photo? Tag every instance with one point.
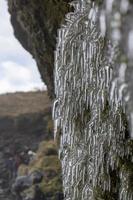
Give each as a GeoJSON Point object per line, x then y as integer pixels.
{"type": "Point", "coordinates": [18, 71]}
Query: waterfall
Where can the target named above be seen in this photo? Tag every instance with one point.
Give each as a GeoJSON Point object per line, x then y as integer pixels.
{"type": "Point", "coordinates": [93, 107]}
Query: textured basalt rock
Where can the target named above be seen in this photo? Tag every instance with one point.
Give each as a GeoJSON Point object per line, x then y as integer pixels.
{"type": "Point", "coordinates": [35, 25]}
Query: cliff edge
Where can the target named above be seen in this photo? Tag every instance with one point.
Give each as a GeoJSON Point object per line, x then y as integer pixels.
{"type": "Point", "coordinates": [35, 25]}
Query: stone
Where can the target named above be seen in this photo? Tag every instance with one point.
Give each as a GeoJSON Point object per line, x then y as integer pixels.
{"type": "Point", "coordinates": [36, 29]}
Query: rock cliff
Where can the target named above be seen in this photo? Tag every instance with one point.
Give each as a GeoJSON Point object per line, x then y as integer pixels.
{"type": "Point", "coordinates": [93, 89]}
{"type": "Point", "coordinates": [35, 25]}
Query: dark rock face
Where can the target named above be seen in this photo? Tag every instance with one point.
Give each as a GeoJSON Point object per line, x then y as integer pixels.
{"type": "Point", "coordinates": [23, 182]}
{"type": "Point", "coordinates": [35, 25]}
{"type": "Point", "coordinates": [38, 194]}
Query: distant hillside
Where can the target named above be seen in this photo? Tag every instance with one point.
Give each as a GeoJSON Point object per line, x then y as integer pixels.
{"type": "Point", "coordinates": [14, 104]}
{"type": "Point", "coordinates": [25, 118]}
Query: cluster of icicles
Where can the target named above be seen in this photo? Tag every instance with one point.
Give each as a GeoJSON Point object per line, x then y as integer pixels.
{"type": "Point", "coordinates": [89, 107]}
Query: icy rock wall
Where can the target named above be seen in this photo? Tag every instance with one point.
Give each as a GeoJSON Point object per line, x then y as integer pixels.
{"type": "Point", "coordinates": [93, 107]}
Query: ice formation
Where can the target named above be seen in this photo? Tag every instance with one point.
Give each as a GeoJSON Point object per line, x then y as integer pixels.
{"type": "Point", "coordinates": [91, 97]}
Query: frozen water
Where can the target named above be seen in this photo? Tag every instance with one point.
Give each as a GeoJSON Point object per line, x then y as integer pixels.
{"type": "Point", "coordinates": [91, 92]}
{"type": "Point", "coordinates": [103, 23]}
{"type": "Point", "coordinates": [130, 43]}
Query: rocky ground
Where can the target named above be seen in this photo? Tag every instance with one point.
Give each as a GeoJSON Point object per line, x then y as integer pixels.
{"type": "Point", "coordinates": [25, 121]}
{"type": "Point", "coordinates": [42, 175]}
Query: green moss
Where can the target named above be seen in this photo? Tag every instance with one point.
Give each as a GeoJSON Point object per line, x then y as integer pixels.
{"type": "Point", "coordinates": [23, 170]}
{"type": "Point", "coordinates": [82, 120]}
{"type": "Point", "coordinates": [51, 168]}
{"type": "Point", "coordinates": [99, 194]}
{"type": "Point", "coordinates": [105, 112]}
{"type": "Point", "coordinates": [47, 148]}
{"type": "Point", "coordinates": [127, 171]}
{"type": "Point", "coordinates": [48, 163]}
{"type": "Point", "coordinates": [50, 126]}
{"type": "Point", "coordinates": [30, 192]}
{"type": "Point", "coordinates": [52, 186]}
{"type": "Point", "coordinates": [125, 124]}
{"type": "Point", "coordinates": [46, 158]}
{"type": "Point", "coordinates": [86, 116]}
{"type": "Point", "coordinates": [129, 146]}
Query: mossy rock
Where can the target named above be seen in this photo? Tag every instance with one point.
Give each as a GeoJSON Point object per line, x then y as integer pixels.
{"type": "Point", "coordinates": [23, 170]}
{"type": "Point", "coordinates": [47, 149]}
{"type": "Point", "coordinates": [47, 162]}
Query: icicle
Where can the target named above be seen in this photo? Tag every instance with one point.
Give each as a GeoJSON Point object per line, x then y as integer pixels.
{"type": "Point", "coordinates": [90, 97]}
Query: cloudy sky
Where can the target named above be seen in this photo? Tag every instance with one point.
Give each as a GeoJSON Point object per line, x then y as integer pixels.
{"type": "Point", "coordinates": [18, 71]}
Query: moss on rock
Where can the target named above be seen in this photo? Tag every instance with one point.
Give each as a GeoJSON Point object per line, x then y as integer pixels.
{"type": "Point", "coordinates": [47, 162]}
